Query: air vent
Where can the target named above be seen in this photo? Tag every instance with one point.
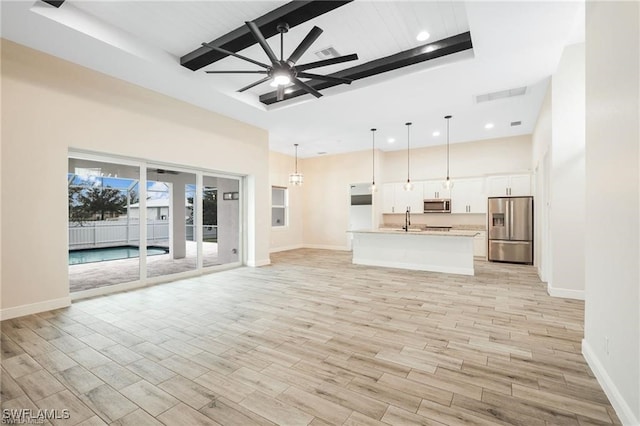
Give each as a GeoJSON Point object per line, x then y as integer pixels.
{"type": "Point", "coordinates": [516, 123]}
{"type": "Point", "coordinates": [327, 52]}
{"type": "Point", "coordinates": [519, 91]}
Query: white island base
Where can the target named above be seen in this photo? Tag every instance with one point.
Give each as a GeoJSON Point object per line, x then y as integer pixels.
{"type": "Point", "coordinates": [450, 252]}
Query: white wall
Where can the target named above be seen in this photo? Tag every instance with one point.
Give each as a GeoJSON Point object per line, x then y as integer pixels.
{"type": "Point", "coordinates": [51, 106]}
{"type": "Point", "coordinates": [612, 248]}
{"type": "Point", "coordinates": [287, 237]}
{"type": "Point", "coordinates": [567, 197]}
{"type": "Point", "coordinates": [541, 157]}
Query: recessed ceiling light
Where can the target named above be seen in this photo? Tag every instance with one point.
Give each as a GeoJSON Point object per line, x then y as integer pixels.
{"type": "Point", "coordinates": [436, 133]}
{"type": "Point", "coordinates": [422, 36]}
{"type": "Point", "coordinates": [391, 140]}
{"type": "Point", "coordinates": [488, 126]}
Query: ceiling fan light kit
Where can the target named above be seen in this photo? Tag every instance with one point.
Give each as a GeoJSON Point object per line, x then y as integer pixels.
{"type": "Point", "coordinates": [283, 72]}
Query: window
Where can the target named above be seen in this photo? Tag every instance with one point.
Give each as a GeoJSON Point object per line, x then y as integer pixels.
{"type": "Point", "coordinates": [279, 201]}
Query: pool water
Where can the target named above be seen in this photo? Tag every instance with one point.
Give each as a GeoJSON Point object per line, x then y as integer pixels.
{"type": "Point", "coordinates": [110, 253]}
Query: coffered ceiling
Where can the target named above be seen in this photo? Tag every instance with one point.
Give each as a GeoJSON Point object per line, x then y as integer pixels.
{"type": "Point", "coordinates": [515, 44]}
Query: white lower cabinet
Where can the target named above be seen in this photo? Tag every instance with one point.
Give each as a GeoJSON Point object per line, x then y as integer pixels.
{"type": "Point", "coordinates": [480, 244]}
{"type": "Point", "coordinates": [467, 196]}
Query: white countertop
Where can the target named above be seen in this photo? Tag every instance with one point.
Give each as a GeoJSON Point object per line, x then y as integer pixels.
{"type": "Point", "coordinates": [394, 231]}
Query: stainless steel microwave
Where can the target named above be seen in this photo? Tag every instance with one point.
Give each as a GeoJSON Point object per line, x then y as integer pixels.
{"type": "Point", "coordinates": [437, 206]}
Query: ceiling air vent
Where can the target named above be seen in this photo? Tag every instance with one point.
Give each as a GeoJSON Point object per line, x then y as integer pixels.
{"type": "Point", "coordinates": [519, 91]}
{"type": "Point", "coordinates": [327, 52]}
{"type": "Point", "coordinates": [516, 123]}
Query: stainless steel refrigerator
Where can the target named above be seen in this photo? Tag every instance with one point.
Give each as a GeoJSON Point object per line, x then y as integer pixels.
{"type": "Point", "coordinates": [510, 229]}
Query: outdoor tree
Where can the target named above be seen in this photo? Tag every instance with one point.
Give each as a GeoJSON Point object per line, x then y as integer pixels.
{"type": "Point", "coordinates": [76, 211]}
{"type": "Point", "coordinates": [100, 201]}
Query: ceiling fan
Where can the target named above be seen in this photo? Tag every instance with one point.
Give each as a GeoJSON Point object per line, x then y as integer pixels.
{"type": "Point", "coordinates": [284, 72]}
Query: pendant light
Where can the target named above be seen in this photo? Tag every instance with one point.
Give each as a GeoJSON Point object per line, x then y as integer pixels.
{"type": "Point", "coordinates": [373, 160]}
{"type": "Point", "coordinates": [408, 186]}
{"type": "Point", "coordinates": [447, 184]}
{"type": "Point", "coordinates": [296, 178]}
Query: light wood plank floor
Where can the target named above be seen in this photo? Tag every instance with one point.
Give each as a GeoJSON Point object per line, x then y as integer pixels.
{"type": "Point", "coordinates": [311, 339]}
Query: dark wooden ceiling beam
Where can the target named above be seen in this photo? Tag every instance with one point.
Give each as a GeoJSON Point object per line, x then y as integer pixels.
{"type": "Point", "coordinates": [447, 46]}
{"type": "Point", "coordinates": [54, 3]}
{"type": "Point", "coordinates": [293, 13]}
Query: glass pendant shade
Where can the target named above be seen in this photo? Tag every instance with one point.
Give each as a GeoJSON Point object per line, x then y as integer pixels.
{"type": "Point", "coordinates": [296, 178]}
{"type": "Point", "coordinates": [408, 186]}
{"type": "Point", "coordinates": [448, 183]}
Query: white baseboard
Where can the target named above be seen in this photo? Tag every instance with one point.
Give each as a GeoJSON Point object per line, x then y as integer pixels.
{"type": "Point", "coordinates": [623, 410]}
{"type": "Point", "coordinates": [565, 292]}
{"type": "Point", "coordinates": [327, 247]}
{"type": "Point", "coordinates": [258, 263]}
{"type": "Point", "coordinates": [34, 308]}
{"type": "Point", "coordinates": [286, 248]}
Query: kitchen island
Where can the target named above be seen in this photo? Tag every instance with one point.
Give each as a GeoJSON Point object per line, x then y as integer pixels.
{"type": "Point", "coordinates": [436, 251]}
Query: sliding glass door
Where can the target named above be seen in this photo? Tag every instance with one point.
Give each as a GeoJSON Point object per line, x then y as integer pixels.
{"type": "Point", "coordinates": [103, 224]}
{"type": "Point", "coordinates": [171, 221]}
{"type": "Point", "coordinates": [221, 221]}
{"type": "Point", "coordinates": [193, 221]}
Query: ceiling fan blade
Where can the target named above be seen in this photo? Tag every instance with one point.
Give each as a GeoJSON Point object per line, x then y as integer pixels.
{"type": "Point", "coordinates": [228, 52]}
{"type": "Point", "coordinates": [338, 80]}
{"type": "Point", "coordinates": [304, 45]}
{"type": "Point", "coordinates": [325, 62]}
{"type": "Point", "coordinates": [304, 86]}
{"type": "Point", "coordinates": [261, 41]}
{"type": "Point", "coordinates": [280, 92]}
{"type": "Point", "coordinates": [237, 72]}
{"type": "Point", "coordinates": [255, 83]}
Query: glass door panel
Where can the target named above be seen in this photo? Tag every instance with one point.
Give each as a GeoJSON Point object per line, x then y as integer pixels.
{"type": "Point", "coordinates": [171, 219]}
{"type": "Point", "coordinates": [103, 224]}
{"type": "Point", "coordinates": [220, 221]}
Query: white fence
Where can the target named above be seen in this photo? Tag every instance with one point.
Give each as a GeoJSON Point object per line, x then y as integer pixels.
{"type": "Point", "coordinates": [114, 233]}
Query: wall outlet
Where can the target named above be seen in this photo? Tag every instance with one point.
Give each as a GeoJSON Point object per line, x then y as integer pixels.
{"type": "Point", "coordinates": [606, 345]}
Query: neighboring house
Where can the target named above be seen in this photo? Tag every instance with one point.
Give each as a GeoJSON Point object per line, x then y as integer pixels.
{"type": "Point", "coordinates": [157, 209]}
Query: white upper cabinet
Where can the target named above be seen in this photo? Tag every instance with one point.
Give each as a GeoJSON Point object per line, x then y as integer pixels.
{"type": "Point", "coordinates": [388, 198]}
{"type": "Point", "coordinates": [509, 185]}
{"type": "Point", "coordinates": [396, 200]}
{"type": "Point", "coordinates": [433, 190]}
{"type": "Point", "coordinates": [412, 199]}
{"type": "Point", "coordinates": [468, 196]}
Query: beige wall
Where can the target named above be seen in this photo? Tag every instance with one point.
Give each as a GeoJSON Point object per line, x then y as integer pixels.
{"type": "Point", "coordinates": [612, 244]}
{"type": "Point", "coordinates": [325, 193]}
{"type": "Point", "coordinates": [50, 106]}
{"type": "Point", "coordinates": [327, 196]}
{"type": "Point", "coordinates": [504, 155]}
{"type": "Point", "coordinates": [288, 237]}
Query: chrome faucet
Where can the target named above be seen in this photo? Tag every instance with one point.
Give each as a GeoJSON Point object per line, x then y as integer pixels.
{"type": "Point", "coordinates": [407, 220]}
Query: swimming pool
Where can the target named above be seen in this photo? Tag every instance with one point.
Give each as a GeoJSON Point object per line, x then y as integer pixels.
{"type": "Point", "coordinates": [110, 253]}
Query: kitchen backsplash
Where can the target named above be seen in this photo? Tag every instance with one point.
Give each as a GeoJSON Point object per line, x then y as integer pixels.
{"type": "Point", "coordinates": [460, 221]}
